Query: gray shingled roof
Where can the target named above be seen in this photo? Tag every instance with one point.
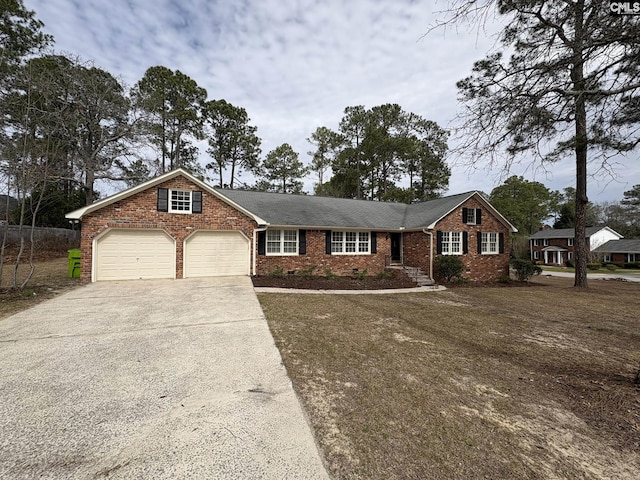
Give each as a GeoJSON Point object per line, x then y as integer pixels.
{"type": "Point", "coordinates": [627, 245]}
{"type": "Point", "coordinates": [312, 211]}
{"type": "Point", "coordinates": [563, 232]}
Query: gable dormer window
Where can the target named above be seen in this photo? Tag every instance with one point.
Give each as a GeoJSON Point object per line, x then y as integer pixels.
{"type": "Point", "coordinates": [472, 216]}
{"type": "Point", "coordinates": [179, 201]}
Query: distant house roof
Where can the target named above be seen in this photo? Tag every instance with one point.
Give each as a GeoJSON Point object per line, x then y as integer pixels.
{"type": "Point", "coordinates": [629, 245]}
{"type": "Point", "coordinates": [280, 210]}
{"type": "Point", "coordinates": [569, 232]}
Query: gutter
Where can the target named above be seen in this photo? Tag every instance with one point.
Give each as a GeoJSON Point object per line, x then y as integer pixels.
{"type": "Point", "coordinates": [424, 230]}
{"type": "Point", "coordinates": [255, 247]}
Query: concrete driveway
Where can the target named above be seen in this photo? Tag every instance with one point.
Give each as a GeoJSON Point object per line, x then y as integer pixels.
{"type": "Point", "coordinates": [149, 379]}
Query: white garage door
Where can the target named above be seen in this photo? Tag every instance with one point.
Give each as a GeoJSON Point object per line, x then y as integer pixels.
{"type": "Point", "coordinates": [215, 254]}
{"type": "Point", "coordinates": [135, 254]}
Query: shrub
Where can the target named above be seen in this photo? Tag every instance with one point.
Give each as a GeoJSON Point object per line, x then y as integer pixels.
{"type": "Point", "coordinates": [502, 278]}
{"type": "Point", "coordinates": [594, 266]}
{"type": "Point", "coordinates": [329, 273]}
{"type": "Point", "coordinates": [633, 265]}
{"type": "Point", "coordinates": [611, 267]}
{"type": "Point", "coordinates": [360, 275]}
{"type": "Point", "coordinates": [384, 275]}
{"type": "Point", "coordinates": [525, 269]}
{"type": "Point", "coordinates": [308, 272]}
{"type": "Point", "coordinates": [570, 264]}
{"type": "Point", "coordinates": [277, 272]}
{"type": "Point", "coordinates": [448, 267]}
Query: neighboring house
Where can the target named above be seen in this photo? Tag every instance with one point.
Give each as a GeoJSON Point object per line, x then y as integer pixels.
{"type": "Point", "coordinates": [176, 226]}
{"type": "Point", "coordinates": [555, 246]}
{"type": "Point", "coordinates": [620, 251]}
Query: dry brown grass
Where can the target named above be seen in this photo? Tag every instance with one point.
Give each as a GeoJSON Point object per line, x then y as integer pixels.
{"type": "Point", "coordinates": [49, 279]}
{"type": "Point", "coordinates": [469, 383]}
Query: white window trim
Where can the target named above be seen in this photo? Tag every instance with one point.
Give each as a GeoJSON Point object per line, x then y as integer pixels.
{"type": "Point", "coordinates": [536, 255]}
{"type": "Point", "coordinates": [545, 242]}
{"type": "Point", "coordinates": [536, 242]}
{"type": "Point", "coordinates": [281, 252]}
{"type": "Point", "coordinates": [483, 241]}
{"type": "Point", "coordinates": [187, 212]}
{"type": "Point", "coordinates": [450, 243]}
{"type": "Point", "coordinates": [466, 220]}
{"type": "Point", "coordinates": [570, 242]}
{"type": "Point", "coordinates": [344, 242]}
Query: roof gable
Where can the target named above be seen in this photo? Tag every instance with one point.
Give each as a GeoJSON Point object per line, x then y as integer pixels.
{"type": "Point", "coordinates": [81, 212]}
{"type": "Point", "coordinates": [628, 245]}
{"type": "Point", "coordinates": [569, 232]}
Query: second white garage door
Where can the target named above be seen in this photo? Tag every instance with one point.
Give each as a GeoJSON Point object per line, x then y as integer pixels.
{"type": "Point", "coordinates": [215, 254]}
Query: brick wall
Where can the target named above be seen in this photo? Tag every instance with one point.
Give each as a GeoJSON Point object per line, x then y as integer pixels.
{"type": "Point", "coordinates": [552, 242]}
{"type": "Point", "coordinates": [478, 267]}
{"type": "Point", "coordinates": [140, 211]}
{"type": "Point", "coordinates": [338, 264]}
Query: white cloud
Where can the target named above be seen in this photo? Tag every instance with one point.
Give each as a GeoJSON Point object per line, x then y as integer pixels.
{"type": "Point", "coordinates": [295, 65]}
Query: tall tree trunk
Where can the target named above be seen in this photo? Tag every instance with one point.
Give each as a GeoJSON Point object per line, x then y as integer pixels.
{"type": "Point", "coordinates": [88, 185]}
{"type": "Point", "coordinates": [580, 240]}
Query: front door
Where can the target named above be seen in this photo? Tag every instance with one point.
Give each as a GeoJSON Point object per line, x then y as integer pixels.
{"type": "Point", "coordinates": [396, 248]}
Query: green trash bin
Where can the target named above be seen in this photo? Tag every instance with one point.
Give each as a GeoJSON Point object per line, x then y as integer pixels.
{"type": "Point", "coordinates": [74, 263]}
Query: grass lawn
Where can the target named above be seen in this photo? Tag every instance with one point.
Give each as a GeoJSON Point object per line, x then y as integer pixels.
{"type": "Point", "coordinates": [469, 383]}
{"type": "Point", "coordinates": [548, 268]}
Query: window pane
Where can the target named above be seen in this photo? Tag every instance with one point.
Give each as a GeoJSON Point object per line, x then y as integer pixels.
{"type": "Point", "coordinates": [363, 242]}
{"type": "Point", "coordinates": [290, 241]}
{"type": "Point", "coordinates": [471, 215]}
{"type": "Point", "coordinates": [336, 242]}
{"type": "Point", "coordinates": [455, 242]}
{"type": "Point", "coordinates": [273, 241]}
{"type": "Point", "coordinates": [350, 242]}
{"type": "Point", "coordinates": [180, 201]}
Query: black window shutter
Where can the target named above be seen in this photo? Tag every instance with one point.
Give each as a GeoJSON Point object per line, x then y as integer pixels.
{"type": "Point", "coordinates": [478, 216]}
{"type": "Point", "coordinates": [465, 242]}
{"type": "Point", "coordinates": [438, 242]}
{"type": "Point", "coordinates": [464, 215]}
{"type": "Point", "coordinates": [374, 242]}
{"type": "Point", "coordinates": [479, 238]}
{"type": "Point", "coordinates": [327, 242]}
{"type": "Point", "coordinates": [163, 199]}
{"type": "Point", "coordinates": [302, 242]}
{"type": "Point", "coordinates": [262, 243]}
{"type": "Point", "coordinates": [196, 202]}
{"type": "Point", "coordinates": [501, 242]}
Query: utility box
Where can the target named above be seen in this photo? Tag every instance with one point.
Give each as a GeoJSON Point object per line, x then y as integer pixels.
{"type": "Point", "coordinates": [75, 264]}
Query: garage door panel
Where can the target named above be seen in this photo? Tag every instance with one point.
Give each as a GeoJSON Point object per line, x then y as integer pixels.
{"type": "Point", "coordinates": [216, 253]}
{"type": "Point", "coordinates": [135, 254]}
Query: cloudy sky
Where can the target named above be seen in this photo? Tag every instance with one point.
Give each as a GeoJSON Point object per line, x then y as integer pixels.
{"type": "Point", "coordinates": [294, 65]}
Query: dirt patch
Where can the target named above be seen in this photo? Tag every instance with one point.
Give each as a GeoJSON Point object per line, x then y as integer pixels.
{"type": "Point", "coordinates": [394, 279]}
{"type": "Point", "coordinates": [469, 383]}
{"type": "Point", "coordinates": [49, 280]}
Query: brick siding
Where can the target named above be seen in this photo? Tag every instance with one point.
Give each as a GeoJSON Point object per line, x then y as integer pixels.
{"type": "Point", "coordinates": [140, 211]}
{"type": "Point", "coordinates": [478, 267]}
{"type": "Point", "coordinates": [338, 264]}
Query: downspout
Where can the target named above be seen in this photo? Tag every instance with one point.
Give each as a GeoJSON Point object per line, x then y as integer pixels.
{"type": "Point", "coordinates": [424, 230]}
{"type": "Point", "coordinates": [255, 247]}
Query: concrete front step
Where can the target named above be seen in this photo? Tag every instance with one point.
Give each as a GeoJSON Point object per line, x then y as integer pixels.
{"type": "Point", "coordinates": [416, 274]}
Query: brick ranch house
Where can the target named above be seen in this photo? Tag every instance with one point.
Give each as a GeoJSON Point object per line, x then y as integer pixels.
{"type": "Point", "coordinates": [620, 251]}
{"type": "Point", "coordinates": [555, 246]}
{"type": "Point", "coordinates": [175, 226]}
